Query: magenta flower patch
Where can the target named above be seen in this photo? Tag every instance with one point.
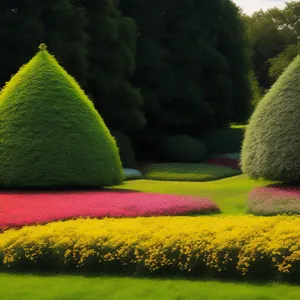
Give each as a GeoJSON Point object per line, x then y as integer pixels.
{"type": "Point", "coordinates": [274, 200]}
{"type": "Point", "coordinates": [18, 209]}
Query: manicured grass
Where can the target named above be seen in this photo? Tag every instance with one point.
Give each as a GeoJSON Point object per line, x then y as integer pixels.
{"type": "Point", "coordinates": [230, 194]}
{"type": "Point", "coordinates": [31, 287]}
{"type": "Point", "coordinates": [187, 172]}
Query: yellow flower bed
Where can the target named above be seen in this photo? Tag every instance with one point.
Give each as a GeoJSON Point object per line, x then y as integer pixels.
{"type": "Point", "coordinates": [184, 243]}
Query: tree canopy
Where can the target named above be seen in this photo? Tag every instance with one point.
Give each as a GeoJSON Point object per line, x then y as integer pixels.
{"type": "Point", "coordinates": [192, 64]}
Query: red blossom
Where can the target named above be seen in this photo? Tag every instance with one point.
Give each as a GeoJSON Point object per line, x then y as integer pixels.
{"type": "Point", "coordinates": [19, 209]}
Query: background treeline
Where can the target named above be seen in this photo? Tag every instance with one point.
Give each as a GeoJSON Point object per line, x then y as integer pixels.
{"type": "Point", "coordinates": [156, 68]}
{"type": "Point", "coordinates": [275, 41]}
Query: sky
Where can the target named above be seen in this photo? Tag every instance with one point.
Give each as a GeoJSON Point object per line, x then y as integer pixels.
{"type": "Point", "coordinates": [250, 6]}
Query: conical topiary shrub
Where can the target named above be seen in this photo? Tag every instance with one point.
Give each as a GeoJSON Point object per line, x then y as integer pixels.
{"type": "Point", "coordinates": [271, 148]}
{"type": "Point", "coordinates": [50, 133]}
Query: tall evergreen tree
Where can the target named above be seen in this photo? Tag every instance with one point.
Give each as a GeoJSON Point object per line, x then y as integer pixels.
{"type": "Point", "coordinates": [111, 55]}
{"type": "Point", "coordinates": [234, 44]}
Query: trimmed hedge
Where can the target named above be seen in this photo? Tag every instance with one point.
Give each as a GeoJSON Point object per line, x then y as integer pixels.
{"type": "Point", "coordinates": [126, 151]}
{"type": "Point", "coordinates": [187, 172]}
{"type": "Point", "coordinates": [182, 148]}
{"type": "Point", "coordinates": [50, 133]}
{"type": "Point", "coordinates": [235, 246]}
{"type": "Point", "coordinates": [222, 141]}
{"type": "Point", "coordinates": [272, 143]}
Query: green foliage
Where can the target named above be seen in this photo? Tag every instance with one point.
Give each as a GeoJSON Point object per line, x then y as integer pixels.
{"type": "Point", "coordinates": [192, 65]}
{"type": "Point", "coordinates": [271, 32]}
{"type": "Point", "coordinates": [125, 149]}
{"type": "Point", "coordinates": [182, 148]}
{"type": "Point", "coordinates": [222, 141]}
{"type": "Point", "coordinates": [270, 148]}
{"type": "Point", "coordinates": [280, 62]}
{"type": "Point", "coordinates": [187, 172]}
{"type": "Point", "coordinates": [256, 89]}
{"type": "Point", "coordinates": [92, 41]}
{"type": "Point", "coordinates": [50, 133]}
{"type": "Point", "coordinates": [111, 55]}
{"type": "Point", "coordinates": [24, 24]}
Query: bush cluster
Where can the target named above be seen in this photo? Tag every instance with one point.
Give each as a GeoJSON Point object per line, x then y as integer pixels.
{"type": "Point", "coordinates": [239, 245]}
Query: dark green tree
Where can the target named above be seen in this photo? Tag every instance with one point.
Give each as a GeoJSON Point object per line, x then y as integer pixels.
{"type": "Point", "coordinates": [234, 44]}
{"type": "Point", "coordinates": [24, 24]}
{"type": "Point", "coordinates": [188, 76]}
{"type": "Point", "coordinates": [280, 62]}
{"type": "Point", "coordinates": [269, 34]}
{"type": "Point", "coordinates": [111, 56]}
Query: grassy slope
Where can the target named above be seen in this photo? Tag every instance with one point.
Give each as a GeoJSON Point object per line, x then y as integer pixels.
{"type": "Point", "coordinates": [230, 194]}
{"type": "Point", "coordinates": [30, 287]}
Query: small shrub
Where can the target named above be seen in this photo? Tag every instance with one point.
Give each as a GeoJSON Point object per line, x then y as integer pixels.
{"type": "Point", "coordinates": [222, 141]}
{"type": "Point", "coordinates": [126, 151]}
{"type": "Point", "coordinates": [182, 148]}
{"type": "Point", "coordinates": [187, 172]}
{"type": "Point", "coordinates": [132, 174]}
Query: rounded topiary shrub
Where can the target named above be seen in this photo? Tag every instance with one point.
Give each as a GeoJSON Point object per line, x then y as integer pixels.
{"type": "Point", "coordinates": [272, 140]}
{"type": "Point", "coordinates": [182, 148]}
{"type": "Point", "coordinates": [50, 133]}
{"type": "Point", "coordinates": [125, 149]}
{"type": "Point", "coordinates": [222, 141]}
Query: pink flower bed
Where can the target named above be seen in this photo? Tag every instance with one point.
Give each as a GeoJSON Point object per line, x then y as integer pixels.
{"type": "Point", "coordinates": [274, 200]}
{"type": "Point", "coordinates": [18, 209]}
{"type": "Point", "coordinates": [226, 162]}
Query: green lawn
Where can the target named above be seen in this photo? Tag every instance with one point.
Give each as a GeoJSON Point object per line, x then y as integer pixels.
{"type": "Point", "coordinates": [30, 287]}
{"type": "Point", "coordinates": [230, 193]}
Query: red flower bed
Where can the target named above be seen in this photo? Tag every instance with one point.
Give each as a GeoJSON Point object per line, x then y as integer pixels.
{"type": "Point", "coordinates": [274, 200]}
{"type": "Point", "coordinates": [18, 209]}
{"type": "Point", "coordinates": [226, 162]}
